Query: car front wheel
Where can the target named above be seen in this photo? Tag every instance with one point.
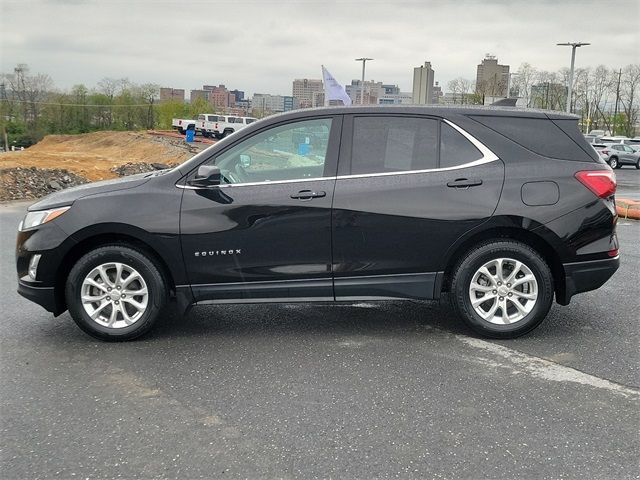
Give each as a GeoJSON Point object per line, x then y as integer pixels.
{"type": "Point", "coordinates": [502, 289]}
{"type": "Point", "coordinates": [115, 293]}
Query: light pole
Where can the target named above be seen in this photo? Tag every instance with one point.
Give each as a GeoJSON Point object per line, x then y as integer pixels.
{"type": "Point", "coordinates": [364, 61]}
{"type": "Point", "coordinates": [573, 46]}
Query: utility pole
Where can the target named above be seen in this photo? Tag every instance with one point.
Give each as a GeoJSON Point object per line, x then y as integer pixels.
{"type": "Point", "coordinates": [573, 46]}
{"type": "Point", "coordinates": [364, 61]}
{"type": "Point", "coordinates": [615, 114]}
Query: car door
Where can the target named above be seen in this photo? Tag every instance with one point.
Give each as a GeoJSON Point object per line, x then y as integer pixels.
{"type": "Point", "coordinates": [407, 188]}
{"type": "Point", "coordinates": [265, 232]}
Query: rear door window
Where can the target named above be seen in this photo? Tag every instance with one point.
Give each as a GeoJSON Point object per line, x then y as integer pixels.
{"type": "Point", "coordinates": [386, 144]}
{"type": "Point", "coordinates": [455, 149]}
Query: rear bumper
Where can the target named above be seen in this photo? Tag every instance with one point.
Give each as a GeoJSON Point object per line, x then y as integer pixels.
{"type": "Point", "coordinates": [43, 296]}
{"type": "Point", "coordinates": [586, 276]}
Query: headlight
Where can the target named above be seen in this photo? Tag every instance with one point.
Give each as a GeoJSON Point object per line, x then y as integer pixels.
{"type": "Point", "coordinates": [33, 219]}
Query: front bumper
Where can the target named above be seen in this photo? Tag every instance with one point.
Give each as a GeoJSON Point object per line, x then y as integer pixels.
{"type": "Point", "coordinates": [586, 276]}
{"type": "Point", "coordinates": [43, 296]}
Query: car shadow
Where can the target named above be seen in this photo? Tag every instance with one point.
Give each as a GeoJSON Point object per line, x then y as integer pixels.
{"type": "Point", "coordinates": [384, 318]}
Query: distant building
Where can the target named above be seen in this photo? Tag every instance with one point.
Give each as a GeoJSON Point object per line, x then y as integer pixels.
{"type": "Point", "coordinates": [372, 91]}
{"type": "Point", "coordinates": [437, 94]}
{"type": "Point", "coordinates": [171, 95]}
{"type": "Point", "coordinates": [402, 98]}
{"type": "Point", "coordinates": [196, 94]}
{"type": "Point", "coordinates": [304, 89]}
{"type": "Point", "coordinates": [391, 95]}
{"type": "Point", "coordinates": [238, 94]}
{"type": "Point", "coordinates": [492, 78]}
{"type": "Point", "coordinates": [423, 84]}
{"type": "Point", "coordinates": [265, 103]}
{"type": "Point", "coordinates": [220, 97]}
{"type": "Point", "coordinates": [245, 104]}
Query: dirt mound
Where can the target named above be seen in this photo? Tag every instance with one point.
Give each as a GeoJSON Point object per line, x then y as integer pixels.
{"type": "Point", "coordinates": [95, 155]}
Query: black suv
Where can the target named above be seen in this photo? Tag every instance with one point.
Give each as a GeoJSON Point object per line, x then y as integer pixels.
{"type": "Point", "coordinates": [502, 208]}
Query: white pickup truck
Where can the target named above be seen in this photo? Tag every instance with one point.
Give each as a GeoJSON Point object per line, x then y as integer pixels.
{"type": "Point", "coordinates": [220, 126]}
{"type": "Point", "coordinates": [183, 124]}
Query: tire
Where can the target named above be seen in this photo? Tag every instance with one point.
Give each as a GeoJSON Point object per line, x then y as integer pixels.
{"type": "Point", "coordinates": [638, 164]}
{"type": "Point", "coordinates": [100, 266]}
{"type": "Point", "coordinates": [227, 133]}
{"type": "Point", "coordinates": [518, 321]}
{"type": "Point", "coordinates": [613, 162]}
{"type": "Point", "coordinates": [181, 130]}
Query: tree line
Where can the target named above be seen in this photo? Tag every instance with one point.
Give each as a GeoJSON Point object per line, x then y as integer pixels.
{"type": "Point", "coordinates": [604, 98]}
{"type": "Point", "coordinates": [31, 107]}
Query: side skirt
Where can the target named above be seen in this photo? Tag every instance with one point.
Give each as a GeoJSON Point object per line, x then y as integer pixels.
{"type": "Point", "coordinates": [411, 286]}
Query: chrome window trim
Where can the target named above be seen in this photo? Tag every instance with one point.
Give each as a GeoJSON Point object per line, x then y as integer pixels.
{"type": "Point", "coordinates": [487, 157]}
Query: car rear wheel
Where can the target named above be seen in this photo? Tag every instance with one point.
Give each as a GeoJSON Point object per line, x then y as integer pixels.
{"type": "Point", "coordinates": [502, 289]}
{"type": "Point", "coordinates": [115, 293]}
{"type": "Point", "coordinates": [613, 162]}
{"type": "Point", "coordinates": [638, 164]}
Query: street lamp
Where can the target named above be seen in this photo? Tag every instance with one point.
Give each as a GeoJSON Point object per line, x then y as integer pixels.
{"type": "Point", "coordinates": [573, 46]}
{"type": "Point", "coordinates": [364, 61]}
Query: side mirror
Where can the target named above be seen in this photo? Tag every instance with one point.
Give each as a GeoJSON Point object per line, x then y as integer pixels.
{"type": "Point", "coordinates": [206, 176]}
{"type": "Point", "coordinates": [245, 160]}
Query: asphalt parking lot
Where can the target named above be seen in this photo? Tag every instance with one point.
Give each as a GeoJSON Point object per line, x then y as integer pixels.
{"type": "Point", "coordinates": [344, 391]}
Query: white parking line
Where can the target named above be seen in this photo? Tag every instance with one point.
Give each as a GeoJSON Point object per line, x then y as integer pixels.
{"type": "Point", "coordinates": [545, 369]}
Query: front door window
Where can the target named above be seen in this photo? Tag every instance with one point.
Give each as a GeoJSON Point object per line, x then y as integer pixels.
{"type": "Point", "coordinates": [287, 152]}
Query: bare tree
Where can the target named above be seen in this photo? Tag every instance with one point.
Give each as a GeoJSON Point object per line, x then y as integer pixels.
{"type": "Point", "coordinates": [524, 79]}
{"type": "Point", "coordinates": [460, 87]}
{"type": "Point", "coordinates": [629, 91]}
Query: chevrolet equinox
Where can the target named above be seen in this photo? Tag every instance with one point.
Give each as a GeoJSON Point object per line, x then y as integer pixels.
{"type": "Point", "coordinates": [501, 208]}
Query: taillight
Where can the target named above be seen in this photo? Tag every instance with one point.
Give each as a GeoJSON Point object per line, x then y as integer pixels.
{"type": "Point", "coordinates": [180, 122]}
{"type": "Point", "coordinates": [600, 182]}
{"type": "Point", "coordinates": [216, 127]}
{"type": "Point", "coordinates": [604, 152]}
{"type": "Point", "coordinates": [613, 253]}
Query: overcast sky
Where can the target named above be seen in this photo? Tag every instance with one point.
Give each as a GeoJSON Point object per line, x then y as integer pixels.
{"type": "Point", "coordinates": [262, 45]}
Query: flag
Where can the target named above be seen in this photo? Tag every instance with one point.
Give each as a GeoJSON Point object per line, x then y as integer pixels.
{"type": "Point", "coordinates": [333, 90]}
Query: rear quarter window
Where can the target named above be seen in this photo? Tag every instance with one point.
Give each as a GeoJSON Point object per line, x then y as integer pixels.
{"type": "Point", "coordinates": [541, 135]}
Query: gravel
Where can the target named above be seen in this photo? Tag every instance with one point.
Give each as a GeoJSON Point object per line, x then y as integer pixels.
{"type": "Point", "coordinates": [24, 183]}
{"type": "Point", "coordinates": [142, 167]}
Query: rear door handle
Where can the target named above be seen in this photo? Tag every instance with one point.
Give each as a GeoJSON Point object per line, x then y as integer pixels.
{"type": "Point", "coordinates": [464, 183]}
{"type": "Point", "coordinates": [308, 195]}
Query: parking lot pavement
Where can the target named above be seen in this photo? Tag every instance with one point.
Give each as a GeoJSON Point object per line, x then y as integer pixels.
{"type": "Point", "coordinates": [348, 391]}
{"type": "Point", "coordinates": [628, 179]}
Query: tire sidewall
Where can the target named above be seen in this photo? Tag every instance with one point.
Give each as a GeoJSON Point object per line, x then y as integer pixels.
{"type": "Point", "coordinates": [145, 267]}
{"type": "Point", "coordinates": [516, 251]}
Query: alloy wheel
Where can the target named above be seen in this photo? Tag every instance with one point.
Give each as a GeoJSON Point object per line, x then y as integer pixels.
{"type": "Point", "coordinates": [114, 295]}
{"type": "Point", "coordinates": [503, 291]}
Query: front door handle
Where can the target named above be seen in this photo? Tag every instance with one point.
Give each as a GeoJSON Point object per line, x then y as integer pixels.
{"type": "Point", "coordinates": [308, 195]}
{"type": "Point", "coordinates": [464, 183]}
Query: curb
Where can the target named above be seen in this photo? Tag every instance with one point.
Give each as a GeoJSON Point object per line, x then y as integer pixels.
{"type": "Point", "coordinates": [628, 208]}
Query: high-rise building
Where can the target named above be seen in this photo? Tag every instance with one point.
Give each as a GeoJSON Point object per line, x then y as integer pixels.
{"type": "Point", "coordinates": [423, 84]}
{"type": "Point", "coordinates": [171, 95]}
{"type": "Point", "coordinates": [303, 90]}
{"type": "Point", "coordinates": [491, 78]}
